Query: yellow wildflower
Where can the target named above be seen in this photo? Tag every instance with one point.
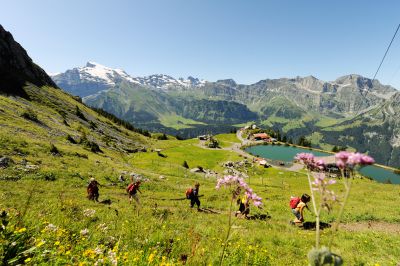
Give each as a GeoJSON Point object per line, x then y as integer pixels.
{"type": "Point", "coordinates": [151, 257]}
{"type": "Point", "coordinates": [89, 253]}
{"type": "Point", "coordinates": [57, 243]}
{"type": "Point", "coordinates": [41, 243]}
{"type": "Point", "coordinates": [27, 260]}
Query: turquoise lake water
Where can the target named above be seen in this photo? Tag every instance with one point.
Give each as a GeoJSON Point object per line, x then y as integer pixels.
{"type": "Point", "coordinates": [287, 154]}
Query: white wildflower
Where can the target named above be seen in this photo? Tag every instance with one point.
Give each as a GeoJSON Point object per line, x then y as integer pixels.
{"type": "Point", "coordinates": [84, 232]}
{"type": "Point", "coordinates": [89, 212]}
{"type": "Point", "coordinates": [112, 257]}
{"type": "Point", "coordinates": [102, 227]}
{"type": "Point", "coordinates": [51, 227]}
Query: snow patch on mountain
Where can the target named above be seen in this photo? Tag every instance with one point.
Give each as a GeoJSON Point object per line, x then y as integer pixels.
{"type": "Point", "coordinates": [95, 72]}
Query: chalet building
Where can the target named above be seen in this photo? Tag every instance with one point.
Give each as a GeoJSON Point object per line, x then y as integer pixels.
{"type": "Point", "coordinates": [261, 136]}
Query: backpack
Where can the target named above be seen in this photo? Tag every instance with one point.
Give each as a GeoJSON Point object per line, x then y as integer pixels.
{"type": "Point", "coordinates": [131, 188]}
{"type": "Point", "coordinates": [189, 192]}
{"type": "Point", "coordinates": [294, 201]}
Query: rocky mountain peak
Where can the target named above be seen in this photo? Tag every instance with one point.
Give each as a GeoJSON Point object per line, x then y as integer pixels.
{"type": "Point", "coordinates": [228, 82]}
{"type": "Point", "coordinates": [17, 68]}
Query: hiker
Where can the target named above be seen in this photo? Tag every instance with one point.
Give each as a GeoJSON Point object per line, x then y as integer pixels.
{"type": "Point", "coordinates": [132, 190]}
{"type": "Point", "coordinates": [244, 207]}
{"type": "Point", "coordinates": [297, 205]}
{"type": "Point", "coordinates": [193, 195]}
{"type": "Point", "coordinates": [93, 190]}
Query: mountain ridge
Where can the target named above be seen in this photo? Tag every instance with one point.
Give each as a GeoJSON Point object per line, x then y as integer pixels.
{"type": "Point", "coordinates": [17, 68]}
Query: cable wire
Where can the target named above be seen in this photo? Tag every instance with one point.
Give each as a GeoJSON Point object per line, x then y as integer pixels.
{"type": "Point", "coordinates": [386, 52]}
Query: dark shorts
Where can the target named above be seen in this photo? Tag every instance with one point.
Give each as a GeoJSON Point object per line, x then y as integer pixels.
{"type": "Point", "coordinates": [296, 213]}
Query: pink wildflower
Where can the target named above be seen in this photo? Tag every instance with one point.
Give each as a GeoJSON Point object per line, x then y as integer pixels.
{"type": "Point", "coordinates": [352, 159]}
{"type": "Point", "coordinates": [343, 155]}
{"type": "Point", "coordinates": [309, 161]}
{"type": "Point", "coordinates": [238, 185]}
{"type": "Point", "coordinates": [367, 160]}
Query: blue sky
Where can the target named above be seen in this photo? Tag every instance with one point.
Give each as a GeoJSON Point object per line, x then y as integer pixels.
{"type": "Point", "coordinates": [210, 39]}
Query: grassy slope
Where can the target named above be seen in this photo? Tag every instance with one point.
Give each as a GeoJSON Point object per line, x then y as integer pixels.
{"type": "Point", "coordinates": [165, 230]}
{"type": "Point", "coordinates": [226, 140]}
{"type": "Point", "coordinates": [178, 122]}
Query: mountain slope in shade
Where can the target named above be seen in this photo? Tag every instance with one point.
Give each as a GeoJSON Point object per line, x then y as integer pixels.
{"type": "Point", "coordinates": [17, 68]}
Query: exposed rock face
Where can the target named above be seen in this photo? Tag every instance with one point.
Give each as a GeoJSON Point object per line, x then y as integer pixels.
{"type": "Point", "coordinates": [17, 68]}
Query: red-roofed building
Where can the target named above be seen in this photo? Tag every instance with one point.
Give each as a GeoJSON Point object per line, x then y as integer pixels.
{"type": "Point", "coordinates": [261, 136]}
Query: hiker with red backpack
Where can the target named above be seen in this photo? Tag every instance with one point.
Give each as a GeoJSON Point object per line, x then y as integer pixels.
{"type": "Point", "coordinates": [297, 205]}
{"type": "Point", "coordinates": [93, 190]}
{"type": "Point", "coordinates": [193, 195]}
{"type": "Point", "coordinates": [132, 190]}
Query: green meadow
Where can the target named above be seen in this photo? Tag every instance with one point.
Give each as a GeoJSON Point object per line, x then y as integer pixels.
{"type": "Point", "coordinates": [51, 222]}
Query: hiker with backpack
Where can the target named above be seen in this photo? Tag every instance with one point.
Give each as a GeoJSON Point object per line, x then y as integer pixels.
{"type": "Point", "coordinates": [93, 190]}
{"type": "Point", "coordinates": [193, 195]}
{"type": "Point", "coordinates": [297, 205]}
{"type": "Point", "coordinates": [244, 207]}
{"type": "Point", "coordinates": [132, 190]}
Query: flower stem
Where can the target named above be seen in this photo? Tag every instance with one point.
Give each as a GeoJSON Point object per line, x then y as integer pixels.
{"type": "Point", "coordinates": [228, 233]}
{"type": "Point", "coordinates": [315, 211]}
{"type": "Point", "coordinates": [346, 196]}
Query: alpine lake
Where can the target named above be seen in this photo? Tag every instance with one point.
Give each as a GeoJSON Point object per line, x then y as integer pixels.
{"type": "Point", "coordinates": [285, 155]}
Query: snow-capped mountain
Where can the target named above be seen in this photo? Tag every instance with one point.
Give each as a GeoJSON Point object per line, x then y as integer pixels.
{"type": "Point", "coordinates": [94, 77]}
{"type": "Point", "coordinates": [161, 81]}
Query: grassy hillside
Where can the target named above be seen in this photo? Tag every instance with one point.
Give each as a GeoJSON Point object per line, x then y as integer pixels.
{"type": "Point", "coordinates": [51, 221]}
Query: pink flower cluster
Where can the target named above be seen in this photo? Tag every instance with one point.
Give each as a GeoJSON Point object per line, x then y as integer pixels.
{"type": "Point", "coordinates": [238, 184]}
{"type": "Point", "coordinates": [308, 160]}
{"type": "Point", "coordinates": [351, 159]}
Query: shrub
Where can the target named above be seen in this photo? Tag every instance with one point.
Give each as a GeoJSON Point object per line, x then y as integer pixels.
{"type": "Point", "coordinates": [71, 139]}
{"type": "Point", "coordinates": [30, 115]}
{"type": "Point", "coordinates": [92, 125]}
{"type": "Point", "coordinates": [48, 176]}
{"type": "Point", "coordinates": [93, 147]}
{"type": "Point", "coordinates": [79, 113]}
{"type": "Point", "coordinates": [81, 155]}
{"type": "Point", "coordinates": [162, 137]}
{"type": "Point", "coordinates": [54, 150]}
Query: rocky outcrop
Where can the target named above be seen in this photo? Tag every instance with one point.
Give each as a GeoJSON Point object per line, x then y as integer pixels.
{"type": "Point", "coordinates": [17, 68]}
